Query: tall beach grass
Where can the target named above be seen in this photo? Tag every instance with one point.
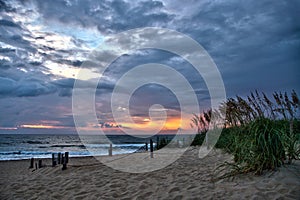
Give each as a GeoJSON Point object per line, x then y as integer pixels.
{"type": "Point", "coordinates": [261, 133]}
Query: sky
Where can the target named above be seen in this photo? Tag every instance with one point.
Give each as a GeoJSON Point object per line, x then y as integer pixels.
{"type": "Point", "coordinates": [45, 45]}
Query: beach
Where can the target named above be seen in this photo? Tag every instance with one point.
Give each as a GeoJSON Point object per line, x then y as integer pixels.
{"type": "Point", "coordinates": [187, 178]}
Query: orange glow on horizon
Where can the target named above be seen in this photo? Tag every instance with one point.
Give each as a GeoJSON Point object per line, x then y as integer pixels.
{"type": "Point", "coordinates": [146, 120]}
{"type": "Point", "coordinates": [172, 124]}
{"type": "Point", "coordinates": [143, 124]}
{"type": "Point", "coordinates": [40, 126]}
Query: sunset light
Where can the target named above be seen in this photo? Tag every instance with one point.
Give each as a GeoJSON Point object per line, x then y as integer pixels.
{"type": "Point", "coordinates": [40, 126]}
{"type": "Point", "coordinates": [146, 120]}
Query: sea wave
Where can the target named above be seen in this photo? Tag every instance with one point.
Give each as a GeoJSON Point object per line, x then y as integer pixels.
{"type": "Point", "coordinates": [35, 142]}
{"type": "Point", "coordinates": [24, 153]}
{"type": "Point", "coordinates": [68, 145]}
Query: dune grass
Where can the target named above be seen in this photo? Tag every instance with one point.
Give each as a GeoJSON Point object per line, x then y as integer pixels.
{"type": "Point", "coordinates": [260, 134]}
{"type": "Point", "coordinates": [263, 144]}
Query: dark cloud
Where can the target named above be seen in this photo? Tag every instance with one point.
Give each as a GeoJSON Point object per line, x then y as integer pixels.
{"type": "Point", "coordinates": [4, 64]}
{"type": "Point", "coordinates": [7, 50]}
{"type": "Point", "coordinates": [6, 85]}
{"type": "Point", "coordinates": [255, 45]}
{"type": "Point", "coordinates": [49, 109]}
{"type": "Point", "coordinates": [5, 7]}
{"type": "Point", "coordinates": [65, 83]}
{"type": "Point", "coordinates": [4, 22]}
{"type": "Point", "coordinates": [76, 63]}
{"type": "Point", "coordinates": [24, 88]}
{"type": "Point", "coordinates": [12, 34]}
{"type": "Point", "coordinates": [108, 16]}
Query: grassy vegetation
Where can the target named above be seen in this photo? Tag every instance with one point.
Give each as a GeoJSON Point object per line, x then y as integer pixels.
{"type": "Point", "coordinates": [260, 133]}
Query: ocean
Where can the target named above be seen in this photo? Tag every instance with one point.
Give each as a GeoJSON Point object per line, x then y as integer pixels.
{"type": "Point", "coordinates": [16, 147]}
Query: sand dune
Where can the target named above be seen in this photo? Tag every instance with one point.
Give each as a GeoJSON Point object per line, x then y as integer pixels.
{"type": "Point", "coordinates": [187, 178]}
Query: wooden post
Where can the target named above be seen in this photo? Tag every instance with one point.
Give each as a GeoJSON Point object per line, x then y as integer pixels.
{"type": "Point", "coordinates": [151, 148]}
{"type": "Point", "coordinates": [36, 166]}
{"type": "Point", "coordinates": [64, 166]}
{"type": "Point", "coordinates": [146, 146]}
{"type": "Point", "coordinates": [31, 163]}
{"type": "Point", "coordinates": [110, 150]}
{"type": "Point", "coordinates": [64, 162]}
{"type": "Point", "coordinates": [53, 160]}
{"type": "Point", "coordinates": [59, 158]}
{"type": "Point", "coordinates": [67, 157]}
{"type": "Point", "coordinates": [157, 142]}
{"type": "Point", "coordinates": [62, 158]}
{"type": "Point", "coordinates": [40, 164]}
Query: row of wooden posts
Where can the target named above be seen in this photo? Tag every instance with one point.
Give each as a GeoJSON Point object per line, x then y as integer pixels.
{"type": "Point", "coordinates": [61, 158]}
{"type": "Point", "coordinates": [146, 148]}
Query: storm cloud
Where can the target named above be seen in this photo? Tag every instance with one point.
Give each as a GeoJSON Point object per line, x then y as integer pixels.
{"type": "Point", "coordinates": [45, 44]}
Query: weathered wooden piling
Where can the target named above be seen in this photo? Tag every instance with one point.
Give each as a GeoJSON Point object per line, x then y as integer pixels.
{"type": "Point", "coordinates": [53, 160]}
{"type": "Point", "coordinates": [67, 157]}
{"type": "Point", "coordinates": [157, 142]}
{"type": "Point", "coordinates": [64, 167]}
{"type": "Point", "coordinates": [110, 150]}
{"type": "Point", "coordinates": [31, 163]}
{"type": "Point", "coordinates": [40, 163]}
{"type": "Point", "coordinates": [36, 166]}
{"type": "Point", "coordinates": [64, 162]}
{"type": "Point", "coordinates": [59, 158]}
{"type": "Point", "coordinates": [146, 146]}
{"type": "Point", "coordinates": [62, 159]}
{"type": "Point", "coordinates": [151, 148]}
